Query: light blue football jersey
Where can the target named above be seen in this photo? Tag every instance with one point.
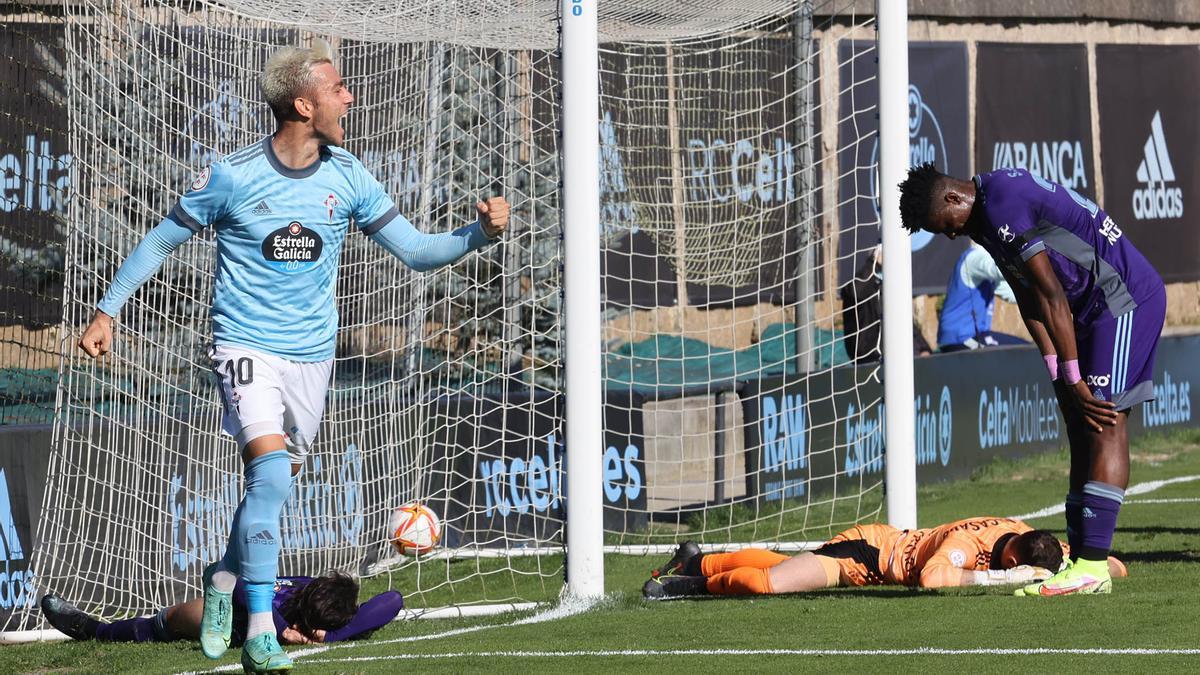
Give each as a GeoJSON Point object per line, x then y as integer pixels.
{"type": "Point", "coordinates": [279, 239]}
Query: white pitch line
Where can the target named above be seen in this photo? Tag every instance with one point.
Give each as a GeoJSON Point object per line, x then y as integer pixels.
{"type": "Point", "coordinates": [1139, 489]}
{"type": "Point", "coordinates": [564, 609]}
{"type": "Point", "coordinates": [310, 651]}
{"type": "Point", "coordinates": [918, 651]}
{"type": "Point", "coordinates": [1177, 500]}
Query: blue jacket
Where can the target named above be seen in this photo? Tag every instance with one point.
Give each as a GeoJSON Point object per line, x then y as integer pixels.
{"type": "Point", "coordinates": [970, 294]}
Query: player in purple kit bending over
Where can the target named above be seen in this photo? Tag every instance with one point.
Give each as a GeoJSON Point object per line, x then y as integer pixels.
{"type": "Point", "coordinates": [1095, 308]}
{"type": "Point", "coordinates": [305, 610]}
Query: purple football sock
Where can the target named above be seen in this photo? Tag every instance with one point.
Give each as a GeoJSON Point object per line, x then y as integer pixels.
{"type": "Point", "coordinates": [1101, 504]}
{"type": "Point", "coordinates": [128, 630]}
{"type": "Point", "coordinates": [144, 629]}
{"type": "Point", "coordinates": [1074, 506]}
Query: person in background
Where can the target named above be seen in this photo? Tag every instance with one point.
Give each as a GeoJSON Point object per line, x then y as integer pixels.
{"type": "Point", "coordinates": [965, 321]}
{"type": "Point", "coordinates": [862, 312]}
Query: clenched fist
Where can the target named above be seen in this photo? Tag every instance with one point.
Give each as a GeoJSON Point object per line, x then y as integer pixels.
{"type": "Point", "coordinates": [493, 216]}
{"type": "Point", "coordinates": [97, 338]}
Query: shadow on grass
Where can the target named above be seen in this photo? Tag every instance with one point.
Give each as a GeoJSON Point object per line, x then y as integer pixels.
{"type": "Point", "coordinates": [893, 592]}
{"type": "Point", "coordinates": [1158, 556]}
{"type": "Point", "coordinates": [1158, 529]}
{"type": "Point", "coordinates": [834, 593]}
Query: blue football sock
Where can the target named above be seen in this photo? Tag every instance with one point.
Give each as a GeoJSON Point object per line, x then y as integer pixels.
{"type": "Point", "coordinates": [259, 597]}
{"type": "Point", "coordinates": [1101, 504]}
{"type": "Point", "coordinates": [255, 539]}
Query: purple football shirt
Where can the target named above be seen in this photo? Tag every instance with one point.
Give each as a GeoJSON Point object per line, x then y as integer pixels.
{"type": "Point", "coordinates": [1098, 267]}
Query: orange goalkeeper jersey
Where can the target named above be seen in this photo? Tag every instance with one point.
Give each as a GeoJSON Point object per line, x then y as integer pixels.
{"type": "Point", "coordinates": [933, 556]}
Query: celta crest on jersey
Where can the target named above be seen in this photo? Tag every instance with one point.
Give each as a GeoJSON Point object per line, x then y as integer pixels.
{"type": "Point", "coordinates": [331, 203]}
{"type": "Point", "coordinates": [293, 248]}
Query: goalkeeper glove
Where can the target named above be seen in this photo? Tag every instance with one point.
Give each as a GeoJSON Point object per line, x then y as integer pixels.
{"type": "Point", "coordinates": [1021, 574]}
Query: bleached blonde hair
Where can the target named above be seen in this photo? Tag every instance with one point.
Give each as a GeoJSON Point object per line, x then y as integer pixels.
{"type": "Point", "coordinates": [288, 75]}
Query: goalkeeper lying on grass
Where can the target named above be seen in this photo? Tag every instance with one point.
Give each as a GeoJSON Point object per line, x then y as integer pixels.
{"type": "Point", "coordinates": [970, 552]}
{"type": "Point", "coordinates": [306, 610]}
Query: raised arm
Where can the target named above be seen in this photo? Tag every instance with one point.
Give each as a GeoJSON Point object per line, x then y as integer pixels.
{"type": "Point", "coordinates": [422, 252]}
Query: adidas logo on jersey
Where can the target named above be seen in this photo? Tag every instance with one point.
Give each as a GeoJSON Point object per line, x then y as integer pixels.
{"type": "Point", "coordinates": [262, 209]}
{"type": "Point", "coordinates": [263, 537]}
{"type": "Point", "coordinates": [1156, 200]}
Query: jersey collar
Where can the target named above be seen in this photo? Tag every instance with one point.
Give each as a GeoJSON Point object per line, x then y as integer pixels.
{"type": "Point", "coordinates": [286, 172]}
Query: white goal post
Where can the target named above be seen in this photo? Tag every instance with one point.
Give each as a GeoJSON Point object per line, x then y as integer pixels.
{"type": "Point", "coordinates": [897, 263]}
{"type": "Point", "coordinates": [581, 231]}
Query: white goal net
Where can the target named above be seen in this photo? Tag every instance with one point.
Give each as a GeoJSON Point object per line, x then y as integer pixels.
{"type": "Point", "coordinates": [731, 411]}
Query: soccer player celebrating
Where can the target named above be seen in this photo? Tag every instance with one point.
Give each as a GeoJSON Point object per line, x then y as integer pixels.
{"type": "Point", "coordinates": [305, 610]}
{"type": "Point", "coordinates": [1095, 308]}
{"type": "Point", "coordinates": [975, 551]}
{"type": "Point", "coordinates": [280, 209]}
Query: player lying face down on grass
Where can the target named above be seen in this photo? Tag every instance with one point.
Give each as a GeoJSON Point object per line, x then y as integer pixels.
{"type": "Point", "coordinates": [972, 552]}
{"type": "Point", "coordinates": [1095, 309]}
{"type": "Point", "coordinates": [305, 610]}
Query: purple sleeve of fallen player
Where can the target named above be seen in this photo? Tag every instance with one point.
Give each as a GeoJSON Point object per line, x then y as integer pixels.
{"type": "Point", "coordinates": [372, 614]}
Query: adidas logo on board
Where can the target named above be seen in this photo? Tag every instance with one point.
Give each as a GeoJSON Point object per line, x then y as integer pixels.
{"type": "Point", "coordinates": [1155, 200]}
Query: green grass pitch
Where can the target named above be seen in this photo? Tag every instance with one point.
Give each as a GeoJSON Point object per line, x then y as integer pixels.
{"type": "Point", "coordinates": [1148, 625]}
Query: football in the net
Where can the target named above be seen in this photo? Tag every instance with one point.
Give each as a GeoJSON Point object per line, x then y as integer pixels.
{"type": "Point", "coordinates": [414, 529]}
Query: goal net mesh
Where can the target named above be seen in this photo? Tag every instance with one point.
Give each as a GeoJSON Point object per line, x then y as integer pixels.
{"type": "Point", "coordinates": [731, 413]}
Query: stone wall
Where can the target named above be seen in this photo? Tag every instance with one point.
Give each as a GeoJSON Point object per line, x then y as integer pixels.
{"type": "Point", "coordinates": [1102, 22]}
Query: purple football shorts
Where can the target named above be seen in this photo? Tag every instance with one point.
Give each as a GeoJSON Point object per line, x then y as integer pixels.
{"type": "Point", "coordinates": [1116, 354]}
